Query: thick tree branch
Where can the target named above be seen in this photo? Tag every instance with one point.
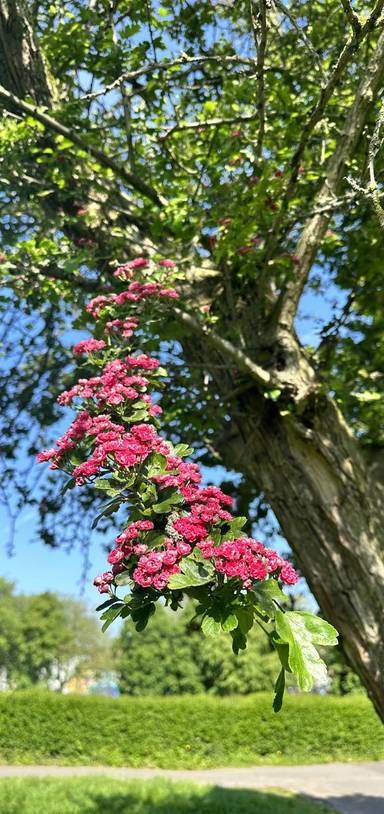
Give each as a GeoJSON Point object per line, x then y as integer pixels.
{"type": "Point", "coordinates": [351, 15]}
{"type": "Point", "coordinates": [237, 356]}
{"type": "Point", "coordinates": [314, 229]}
{"type": "Point", "coordinates": [11, 102]}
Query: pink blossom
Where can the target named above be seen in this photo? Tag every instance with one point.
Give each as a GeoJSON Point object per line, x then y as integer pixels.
{"type": "Point", "coordinates": [88, 345]}
{"type": "Point", "coordinates": [166, 263]}
{"type": "Point", "coordinates": [191, 529]}
{"type": "Point", "coordinates": [169, 292]}
{"type": "Point", "coordinates": [143, 361]}
{"type": "Point", "coordinates": [288, 574]}
{"type": "Point", "coordinates": [46, 455]}
{"type": "Point", "coordinates": [115, 556]}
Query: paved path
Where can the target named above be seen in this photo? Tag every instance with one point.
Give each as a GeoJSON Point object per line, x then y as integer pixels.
{"type": "Point", "coordinates": [349, 788]}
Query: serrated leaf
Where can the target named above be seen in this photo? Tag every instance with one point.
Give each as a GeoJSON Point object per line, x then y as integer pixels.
{"type": "Point", "coordinates": [192, 574]}
{"type": "Point", "coordinates": [321, 631]}
{"type": "Point", "coordinates": [210, 626]}
{"type": "Point", "coordinates": [142, 614]}
{"type": "Point", "coordinates": [138, 415]}
{"type": "Point", "coordinates": [239, 641]}
{"type": "Point", "coordinates": [107, 486]}
{"type": "Point", "coordinates": [68, 485]}
{"type": "Point", "coordinates": [106, 604]}
{"type": "Point", "coordinates": [107, 511]}
{"type": "Point", "coordinates": [182, 450]}
{"type": "Point", "coordinates": [230, 622]}
{"type": "Point", "coordinates": [235, 528]}
{"type": "Point", "coordinates": [304, 660]}
{"type": "Point", "coordinates": [245, 618]}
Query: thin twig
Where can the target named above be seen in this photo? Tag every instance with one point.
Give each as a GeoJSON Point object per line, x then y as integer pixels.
{"type": "Point", "coordinates": [152, 67]}
{"type": "Point", "coordinates": [179, 126]}
{"type": "Point", "coordinates": [307, 42]}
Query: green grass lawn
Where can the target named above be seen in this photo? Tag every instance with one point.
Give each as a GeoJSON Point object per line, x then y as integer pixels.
{"type": "Point", "coordinates": [98, 795]}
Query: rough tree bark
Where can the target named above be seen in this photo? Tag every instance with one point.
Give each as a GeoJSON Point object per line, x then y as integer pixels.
{"type": "Point", "coordinates": [303, 457]}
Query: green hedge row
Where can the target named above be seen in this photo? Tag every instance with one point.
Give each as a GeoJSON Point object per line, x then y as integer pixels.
{"type": "Point", "coordinates": [187, 731]}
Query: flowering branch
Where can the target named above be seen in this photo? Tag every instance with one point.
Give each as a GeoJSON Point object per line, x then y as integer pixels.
{"type": "Point", "coordinates": [179, 539]}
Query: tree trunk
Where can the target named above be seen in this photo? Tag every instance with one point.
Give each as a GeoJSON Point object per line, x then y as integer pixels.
{"type": "Point", "coordinates": [22, 68]}
{"type": "Point", "coordinates": [321, 489]}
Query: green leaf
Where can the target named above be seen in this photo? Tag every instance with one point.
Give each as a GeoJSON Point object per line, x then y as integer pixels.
{"type": "Point", "coordinates": [321, 631]}
{"type": "Point", "coordinates": [235, 528]}
{"type": "Point", "coordinates": [111, 601]}
{"type": "Point", "coordinates": [245, 618]}
{"type": "Point", "coordinates": [157, 465]}
{"type": "Point", "coordinates": [182, 450]}
{"type": "Point", "coordinates": [107, 511]}
{"type": "Point", "coordinates": [192, 574]}
{"type": "Point", "coordinates": [110, 615]}
{"type": "Point", "coordinates": [239, 641]}
{"type": "Point", "coordinates": [166, 505]}
{"type": "Point", "coordinates": [279, 691]}
{"type": "Point", "coordinates": [68, 485]}
{"type": "Point", "coordinates": [266, 592]}
{"type": "Point", "coordinates": [210, 626]}
{"type": "Point", "coordinates": [108, 485]}
{"type": "Point", "coordinates": [142, 615]}
{"type": "Point", "coordinates": [304, 660]}
{"type": "Point", "coordinates": [138, 415]}
{"type": "Point", "coordinates": [230, 622]}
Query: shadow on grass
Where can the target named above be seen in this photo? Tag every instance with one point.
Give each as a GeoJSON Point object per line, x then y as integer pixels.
{"type": "Point", "coordinates": [96, 795]}
{"type": "Point", "coordinates": [356, 804]}
{"type": "Point", "coordinates": [214, 801]}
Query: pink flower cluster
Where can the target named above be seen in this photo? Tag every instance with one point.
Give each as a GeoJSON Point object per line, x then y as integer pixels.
{"type": "Point", "coordinates": [248, 560]}
{"type": "Point", "coordinates": [127, 270]}
{"type": "Point", "coordinates": [124, 326]}
{"type": "Point", "coordinates": [156, 567]}
{"type": "Point", "coordinates": [111, 443]}
{"type": "Point", "coordinates": [135, 293]}
{"type": "Point", "coordinates": [115, 384]}
{"type": "Point", "coordinates": [88, 345]}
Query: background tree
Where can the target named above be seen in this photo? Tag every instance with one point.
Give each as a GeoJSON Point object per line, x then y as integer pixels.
{"type": "Point", "coordinates": [220, 134]}
{"type": "Point", "coordinates": [171, 656]}
{"type": "Point", "coordinates": [47, 640]}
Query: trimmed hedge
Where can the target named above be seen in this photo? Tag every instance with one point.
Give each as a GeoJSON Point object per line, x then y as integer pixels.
{"type": "Point", "coordinates": [186, 732]}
